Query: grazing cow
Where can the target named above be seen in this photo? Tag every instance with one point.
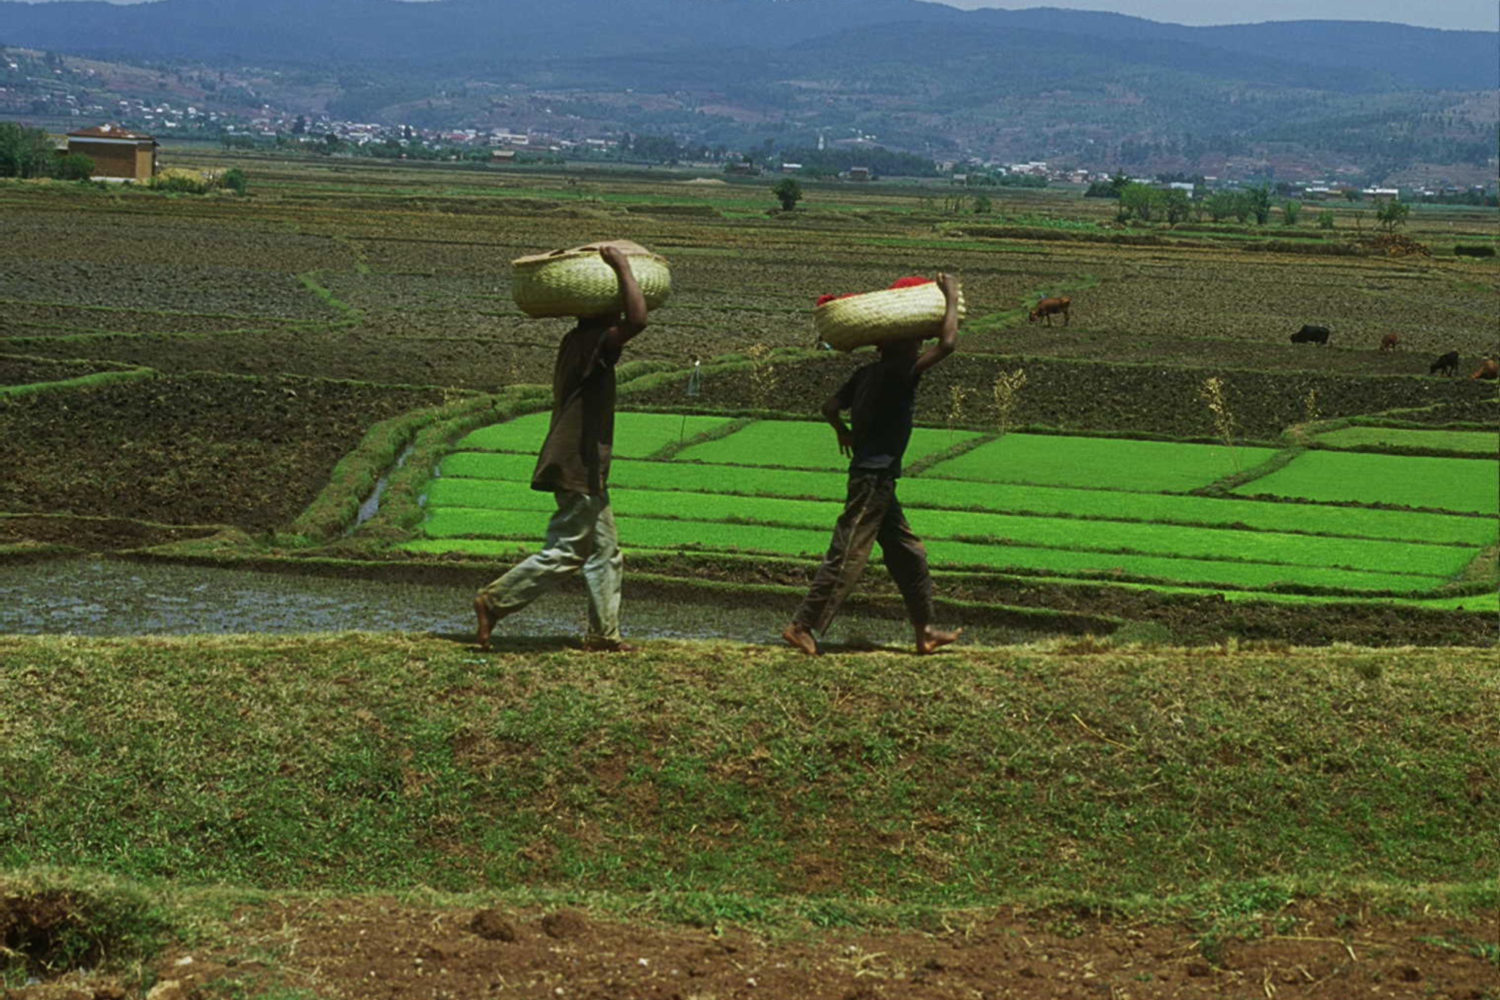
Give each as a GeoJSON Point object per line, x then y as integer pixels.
{"type": "Point", "coordinates": [1311, 335]}
{"type": "Point", "coordinates": [1488, 368]}
{"type": "Point", "coordinates": [1389, 342]}
{"type": "Point", "coordinates": [1447, 364]}
{"type": "Point", "coordinates": [1047, 307]}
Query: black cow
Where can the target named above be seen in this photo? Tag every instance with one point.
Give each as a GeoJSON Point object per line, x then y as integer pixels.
{"type": "Point", "coordinates": [1310, 334]}
{"type": "Point", "coordinates": [1447, 364]}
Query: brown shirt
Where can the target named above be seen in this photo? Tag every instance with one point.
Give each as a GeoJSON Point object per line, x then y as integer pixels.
{"type": "Point", "coordinates": [575, 456]}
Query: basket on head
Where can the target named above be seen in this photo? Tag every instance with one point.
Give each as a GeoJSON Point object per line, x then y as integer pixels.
{"type": "Point", "coordinates": [889, 314]}
{"type": "Point", "coordinates": [578, 282]}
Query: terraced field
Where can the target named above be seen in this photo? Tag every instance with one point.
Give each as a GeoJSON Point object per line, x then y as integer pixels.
{"type": "Point", "coordinates": [270, 332]}
{"type": "Point", "coordinates": [1062, 506]}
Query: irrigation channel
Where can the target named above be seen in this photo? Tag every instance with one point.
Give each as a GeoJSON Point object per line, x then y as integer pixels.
{"type": "Point", "coordinates": [115, 597]}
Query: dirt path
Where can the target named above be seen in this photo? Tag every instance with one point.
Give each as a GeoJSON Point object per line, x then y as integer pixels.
{"type": "Point", "coordinates": [381, 948]}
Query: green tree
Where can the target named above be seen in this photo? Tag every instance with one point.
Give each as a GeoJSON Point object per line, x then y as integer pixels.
{"type": "Point", "coordinates": [234, 179]}
{"type": "Point", "coordinates": [1176, 203]}
{"type": "Point", "coordinates": [1139, 201]}
{"type": "Point", "coordinates": [1392, 214]}
{"type": "Point", "coordinates": [1290, 210]}
{"type": "Point", "coordinates": [1259, 201]}
{"type": "Point", "coordinates": [788, 192]}
{"type": "Point", "coordinates": [25, 152]}
{"type": "Point", "coordinates": [656, 148]}
{"type": "Point", "coordinates": [1325, 219]}
{"type": "Point", "coordinates": [1222, 205]}
{"type": "Point", "coordinates": [75, 167]}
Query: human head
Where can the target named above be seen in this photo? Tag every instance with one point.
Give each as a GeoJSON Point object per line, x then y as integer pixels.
{"type": "Point", "coordinates": [601, 322]}
{"type": "Point", "coordinates": [905, 347]}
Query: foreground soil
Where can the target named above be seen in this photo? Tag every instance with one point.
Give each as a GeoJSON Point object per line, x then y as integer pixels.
{"type": "Point", "coordinates": [382, 948]}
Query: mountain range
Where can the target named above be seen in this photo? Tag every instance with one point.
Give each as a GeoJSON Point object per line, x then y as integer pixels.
{"type": "Point", "coordinates": [923, 76]}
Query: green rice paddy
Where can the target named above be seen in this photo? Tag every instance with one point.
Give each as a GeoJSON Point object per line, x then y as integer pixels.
{"type": "Point", "coordinates": [796, 444]}
{"type": "Point", "coordinates": [1104, 463]}
{"type": "Point", "coordinates": [1485, 443]}
{"type": "Point", "coordinates": [1070, 507]}
{"type": "Point", "coordinates": [1456, 484]}
{"type": "Point", "coordinates": [637, 435]}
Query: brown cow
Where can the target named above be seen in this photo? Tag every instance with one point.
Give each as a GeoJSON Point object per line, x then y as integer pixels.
{"type": "Point", "coordinates": [1047, 307]}
{"type": "Point", "coordinates": [1389, 342]}
{"type": "Point", "coordinates": [1488, 368]}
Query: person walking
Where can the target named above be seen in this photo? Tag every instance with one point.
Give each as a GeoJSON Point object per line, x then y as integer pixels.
{"type": "Point", "coordinates": [573, 466]}
{"type": "Point", "coordinates": [880, 398]}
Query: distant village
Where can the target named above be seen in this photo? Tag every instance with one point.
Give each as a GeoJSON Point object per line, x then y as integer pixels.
{"type": "Point", "coordinates": [267, 127]}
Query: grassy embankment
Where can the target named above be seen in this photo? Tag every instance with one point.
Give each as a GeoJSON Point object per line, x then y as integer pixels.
{"type": "Point", "coordinates": [707, 782]}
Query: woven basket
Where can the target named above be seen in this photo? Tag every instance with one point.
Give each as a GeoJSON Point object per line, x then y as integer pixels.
{"type": "Point", "coordinates": [578, 282]}
{"type": "Point", "coordinates": [889, 314]}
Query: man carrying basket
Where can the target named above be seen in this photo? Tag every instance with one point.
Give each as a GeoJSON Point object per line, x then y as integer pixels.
{"type": "Point", "coordinates": [881, 399]}
{"type": "Point", "coordinates": [574, 467]}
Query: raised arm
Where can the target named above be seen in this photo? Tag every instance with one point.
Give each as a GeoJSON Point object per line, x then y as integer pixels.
{"type": "Point", "coordinates": [948, 335]}
{"type": "Point", "coordinates": [634, 320]}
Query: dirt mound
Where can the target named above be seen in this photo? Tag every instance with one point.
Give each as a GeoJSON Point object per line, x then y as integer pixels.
{"type": "Point", "coordinates": [377, 947]}
{"type": "Point", "coordinates": [1395, 245]}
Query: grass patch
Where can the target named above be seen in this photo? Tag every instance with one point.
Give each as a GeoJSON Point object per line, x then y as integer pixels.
{"type": "Point", "coordinates": [391, 762]}
{"type": "Point", "coordinates": [52, 923]}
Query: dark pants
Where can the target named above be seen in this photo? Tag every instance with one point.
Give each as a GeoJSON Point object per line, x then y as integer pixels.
{"type": "Point", "coordinates": [871, 514]}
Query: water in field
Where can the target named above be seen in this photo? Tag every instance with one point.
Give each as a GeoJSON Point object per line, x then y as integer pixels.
{"type": "Point", "coordinates": [106, 597]}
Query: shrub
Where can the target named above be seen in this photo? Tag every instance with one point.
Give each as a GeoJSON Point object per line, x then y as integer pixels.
{"type": "Point", "coordinates": [75, 167]}
{"type": "Point", "coordinates": [788, 192]}
{"type": "Point", "coordinates": [179, 181]}
{"type": "Point", "coordinates": [1392, 214]}
{"type": "Point", "coordinates": [235, 180]}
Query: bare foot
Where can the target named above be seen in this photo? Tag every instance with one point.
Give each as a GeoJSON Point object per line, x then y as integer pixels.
{"type": "Point", "coordinates": [598, 645]}
{"type": "Point", "coordinates": [929, 639]}
{"type": "Point", "coordinates": [486, 623]}
{"type": "Point", "coordinates": [798, 636]}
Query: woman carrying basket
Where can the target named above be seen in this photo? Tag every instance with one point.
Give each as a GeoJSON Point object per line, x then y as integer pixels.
{"type": "Point", "coordinates": [881, 399]}
{"type": "Point", "coordinates": [574, 467]}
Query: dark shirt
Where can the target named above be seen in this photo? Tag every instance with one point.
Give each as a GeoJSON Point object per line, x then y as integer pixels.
{"type": "Point", "coordinates": [575, 456]}
{"type": "Point", "coordinates": [881, 399]}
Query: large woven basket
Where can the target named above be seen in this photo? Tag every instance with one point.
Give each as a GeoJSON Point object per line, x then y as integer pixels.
{"type": "Point", "coordinates": [889, 314]}
{"type": "Point", "coordinates": [578, 282]}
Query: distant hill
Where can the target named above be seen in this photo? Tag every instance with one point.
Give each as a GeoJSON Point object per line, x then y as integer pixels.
{"type": "Point", "coordinates": [1097, 87]}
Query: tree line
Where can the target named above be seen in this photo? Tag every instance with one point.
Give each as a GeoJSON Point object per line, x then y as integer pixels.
{"type": "Point", "coordinates": [31, 152]}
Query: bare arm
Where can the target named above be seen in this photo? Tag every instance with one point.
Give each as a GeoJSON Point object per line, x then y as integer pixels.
{"type": "Point", "coordinates": [948, 336]}
{"type": "Point", "coordinates": [833, 414]}
{"type": "Point", "coordinates": [635, 303]}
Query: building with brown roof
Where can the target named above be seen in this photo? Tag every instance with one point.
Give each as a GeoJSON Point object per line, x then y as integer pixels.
{"type": "Point", "coordinates": [117, 152]}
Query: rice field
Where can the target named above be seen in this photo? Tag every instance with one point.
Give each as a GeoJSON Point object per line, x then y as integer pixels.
{"type": "Point", "coordinates": [387, 287]}
{"type": "Point", "coordinates": [1482, 443]}
{"type": "Point", "coordinates": [1451, 484]}
{"type": "Point", "coordinates": [1072, 507]}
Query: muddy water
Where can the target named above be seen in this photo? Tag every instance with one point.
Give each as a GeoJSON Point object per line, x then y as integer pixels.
{"type": "Point", "coordinates": [105, 597]}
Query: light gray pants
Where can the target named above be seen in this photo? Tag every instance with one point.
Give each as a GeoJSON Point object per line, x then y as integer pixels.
{"type": "Point", "coordinates": [581, 535]}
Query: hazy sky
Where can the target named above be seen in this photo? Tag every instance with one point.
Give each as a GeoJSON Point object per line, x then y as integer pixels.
{"type": "Point", "coordinates": [1480, 15]}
